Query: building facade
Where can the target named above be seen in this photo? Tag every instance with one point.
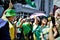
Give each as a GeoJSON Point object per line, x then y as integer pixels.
{"type": "Point", "coordinates": [45, 5]}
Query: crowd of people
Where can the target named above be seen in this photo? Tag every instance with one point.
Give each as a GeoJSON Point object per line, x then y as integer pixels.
{"type": "Point", "coordinates": [45, 28]}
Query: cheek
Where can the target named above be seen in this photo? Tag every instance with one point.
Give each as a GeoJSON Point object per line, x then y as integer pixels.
{"type": "Point", "coordinates": [12, 18]}
{"type": "Point", "coordinates": [43, 22]}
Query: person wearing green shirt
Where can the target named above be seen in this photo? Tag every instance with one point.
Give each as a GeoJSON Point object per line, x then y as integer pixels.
{"type": "Point", "coordinates": [27, 27]}
{"type": "Point", "coordinates": [19, 30]}
{"type": "Point", "coordinates": [36, 31]}
{"type": "Point", "coordinates": [41, 31]}
{"type": "Point", "coordinates": [44, 28]}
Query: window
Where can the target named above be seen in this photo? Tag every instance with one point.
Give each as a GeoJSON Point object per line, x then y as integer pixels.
{"type": "Point", "coordinates": [42, 5]}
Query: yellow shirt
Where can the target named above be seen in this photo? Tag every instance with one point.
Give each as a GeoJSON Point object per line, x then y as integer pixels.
{"type": "Point", "coordinates": [11, 30]}
{"type": "Point", "coordinates": [11, 27]}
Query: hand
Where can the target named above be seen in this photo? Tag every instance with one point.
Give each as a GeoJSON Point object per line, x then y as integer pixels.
{"type": "Point", "coordinates": [10, 4]}
{"type": "Point", "coordinates": [20, 19]}
{"type": "Point", "coordinates": [34, 17]}
{"type": "Point", "coordinates": [23, 20]}
{"type": "Point", "coordinates": [22, 23]}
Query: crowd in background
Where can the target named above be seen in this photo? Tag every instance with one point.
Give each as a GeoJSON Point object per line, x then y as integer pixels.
{"type": "Point", "coordinates": [37, 28]}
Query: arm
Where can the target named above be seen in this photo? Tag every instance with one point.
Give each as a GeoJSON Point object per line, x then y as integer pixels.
{"type": "Point", "coordinates": [55, 31]}
{"type": "Point", "coordinates": [35, 18]}
{"type": "Point", "coordinates": [10, 6]}
{"type": "Point", "coordinates": [51, 36]}
{"type": "Point", "coordinates": [22, 23]}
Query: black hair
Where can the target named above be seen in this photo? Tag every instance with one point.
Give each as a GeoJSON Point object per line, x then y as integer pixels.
{"type": "Point", "coordinates": [7, 17]}
{"type": "Point", "coordinates": [53, 21]}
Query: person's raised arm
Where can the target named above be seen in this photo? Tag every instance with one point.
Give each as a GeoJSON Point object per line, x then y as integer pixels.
{"type": "Point", "coordinates": [22, 23]}
{"type": "Point", "coordinates": [35, 18]}
{"type": "Point", "coordinates": [10, 5]}
{"type": "Point", "coordinates": [55, 32]}
{"type": "Point", "coordinates": [51, 36]}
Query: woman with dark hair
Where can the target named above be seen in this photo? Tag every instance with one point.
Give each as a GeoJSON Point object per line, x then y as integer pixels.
{"type": "Point", "coordinates": [44, 29]}
{"type": "Point", "coordinates": [36, 33]}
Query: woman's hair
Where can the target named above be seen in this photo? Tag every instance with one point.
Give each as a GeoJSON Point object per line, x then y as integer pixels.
{"type": "Point", "coordinates": [7, 17]}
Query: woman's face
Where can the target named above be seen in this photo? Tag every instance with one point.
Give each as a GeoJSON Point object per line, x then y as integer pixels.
{"type": "Point", "coordinates": [44, 21]}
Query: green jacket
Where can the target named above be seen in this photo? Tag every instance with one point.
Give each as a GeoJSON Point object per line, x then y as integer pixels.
{"type": "Point", "coordinates": [40, 30]}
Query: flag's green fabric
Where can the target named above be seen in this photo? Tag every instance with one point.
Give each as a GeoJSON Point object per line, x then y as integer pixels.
{"type": "Point", "coordinates": [30, 3]}
{"type": "Point", "coordinates": [26, 28]}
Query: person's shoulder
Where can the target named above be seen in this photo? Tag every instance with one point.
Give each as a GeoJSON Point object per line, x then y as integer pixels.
{"type": "Point", "coordinates": [2, 23]}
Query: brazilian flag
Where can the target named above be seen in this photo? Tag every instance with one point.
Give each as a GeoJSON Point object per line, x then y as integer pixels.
{"type": "Point", "coordinates": [26, 28]}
